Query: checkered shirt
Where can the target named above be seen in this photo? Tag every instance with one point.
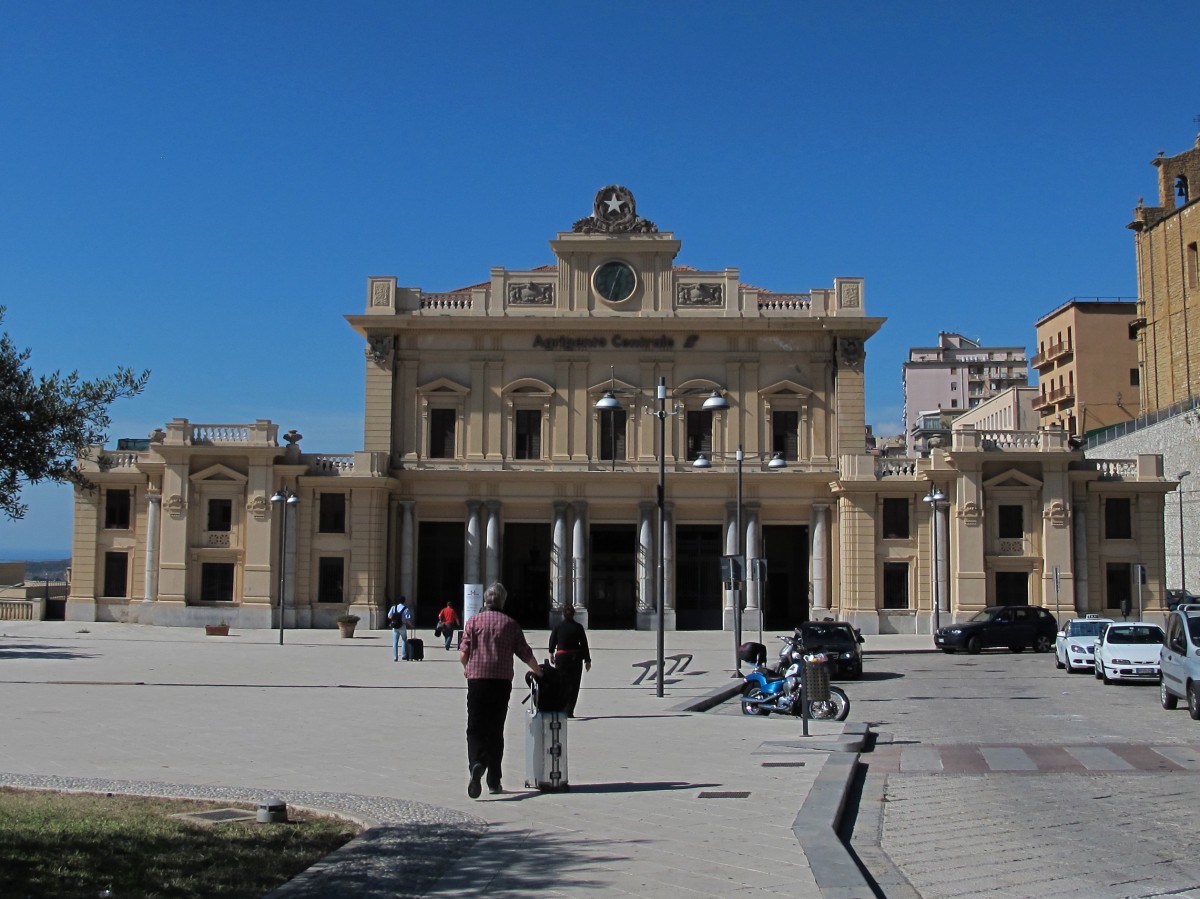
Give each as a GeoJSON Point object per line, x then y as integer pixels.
{"type": "Point", "coordinates": [490, 640]}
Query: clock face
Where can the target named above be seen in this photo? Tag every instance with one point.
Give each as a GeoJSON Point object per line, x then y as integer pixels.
{"type": "Point", "coordinates": [615, 281]}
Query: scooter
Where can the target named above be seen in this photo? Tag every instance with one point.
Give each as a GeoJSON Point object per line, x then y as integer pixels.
{"type": "Point", "coordinates": [765, 691]}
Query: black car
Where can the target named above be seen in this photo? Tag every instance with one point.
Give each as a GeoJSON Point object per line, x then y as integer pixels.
{"type": "Point", "coordinates": [1016, 627]}
{"type": "Point", "coordinates": [841, 643]}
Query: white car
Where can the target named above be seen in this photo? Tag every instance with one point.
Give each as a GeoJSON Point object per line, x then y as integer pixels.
{"type": "Point", "coordinates": [1129, 651]}
{"type": "Point", "coordinates": [1075, 644]}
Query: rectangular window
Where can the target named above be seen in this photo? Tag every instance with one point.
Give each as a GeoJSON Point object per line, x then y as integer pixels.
{"type": "Point", "coordinates": [220, 514]}
{"type": "Point", "coordinates": [216, 582]}
{"type": "Point", "coordinates": [1193, 265]}
{"type": "Point", "coordinates": [528, 437]}
{"type": "Point", "coordinates": [895, 585]}
{"type": "Point", "coordinates": [1118, 518]}
{"type": "Point", "coordinates": [331, 575]}
{"type": "Point", "coordinates": [332, 516]}
{"type": "Point", "coordinates": [895, 519]}
{"type": "Point", "coordinates": [116, 509]}
{"type": "Point", "coordinates": [612, 434]}
{"type": "Point", "coordinates": [1011, 523]}
{"type": "Point", "coordinates": [1135, 377]}
{"type": "Point", "coordinates": [699, 434]}
{"type": "Point", "coordinates": [954, 404]}
{"type": "Point", "coordinates": [116, 574]}
{"type": "Point", "coordinates": [785, 434]}
{"type": "Point", "coordinates": [441, 433]}
{"type": "Point", "coordinates": [954, 385]}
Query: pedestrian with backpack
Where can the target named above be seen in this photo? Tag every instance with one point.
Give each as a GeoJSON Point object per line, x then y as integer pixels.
{"type": "Point", "coordinates": [399, 619]}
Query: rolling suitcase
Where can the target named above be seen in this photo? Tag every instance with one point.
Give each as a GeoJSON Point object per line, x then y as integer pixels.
{"type": "Point", "coordinates": [416, 650]}
{"type": "Point", "coordinates": [546, 752]}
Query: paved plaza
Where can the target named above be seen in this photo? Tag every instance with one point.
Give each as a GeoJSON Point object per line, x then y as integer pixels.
{"type": "Point", "coordinates": [663, 801]}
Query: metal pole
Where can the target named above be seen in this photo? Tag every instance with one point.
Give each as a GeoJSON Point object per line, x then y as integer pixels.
{"type": "Point", "coordinates": [937, 586]}
{"type": "Point", "coordinates": [662, 527]}
{"type": "Point", "coordinates": [1182, 562]}
{"type": "Point", "coordinates": [738, 582]}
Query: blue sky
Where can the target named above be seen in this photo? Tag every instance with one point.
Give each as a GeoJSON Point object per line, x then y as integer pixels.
{"type": "Point", "coordinates": [202, 189]}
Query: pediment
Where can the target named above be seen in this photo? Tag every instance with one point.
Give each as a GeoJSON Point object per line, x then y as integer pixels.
{"type": "Point", "coordinates": [218, 472]}
{"type": "Point", "coordinates": [1013, 478]}
{"type": "Point", "coordinates": [443, 386]}
{"type": "Point", "coordinates": [529, 386]}
{"type": "Point", "coordinates": [786, 388]}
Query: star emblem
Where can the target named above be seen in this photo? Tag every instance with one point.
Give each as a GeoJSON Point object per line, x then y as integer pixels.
{"type": "Point", "coordinates": [614, 203]}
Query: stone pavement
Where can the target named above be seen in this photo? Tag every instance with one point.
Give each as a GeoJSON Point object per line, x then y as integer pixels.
{"type": "Point", "coordinates": [663, 801]}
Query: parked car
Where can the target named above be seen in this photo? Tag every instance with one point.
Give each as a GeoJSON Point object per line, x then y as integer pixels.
{"type": "Point", "coordinates": [841, 643]}
{"type": "Point", "coordinates": [1129, 651]}
{"type": "Point", "coordinates": [1075, 645]}
{"type": "Point", "coordinates": [1179, 660]}
{"type": "Point", "coordinates": [1013, 626]}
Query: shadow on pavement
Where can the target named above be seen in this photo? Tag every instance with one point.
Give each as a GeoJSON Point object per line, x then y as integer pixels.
{"type": "Point", "coordinates": [39, 651]}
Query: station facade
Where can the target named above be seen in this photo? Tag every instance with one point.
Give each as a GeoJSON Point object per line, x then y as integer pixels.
{"type": "Point", "coordinates": [521, 429]}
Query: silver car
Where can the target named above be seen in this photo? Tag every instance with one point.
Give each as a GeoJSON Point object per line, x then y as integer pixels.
{"type": "Point", "coordinates": [1179, 660]}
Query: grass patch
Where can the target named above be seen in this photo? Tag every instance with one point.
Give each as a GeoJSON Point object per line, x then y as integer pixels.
{"type": "Point", "coordinates": [80, 844]}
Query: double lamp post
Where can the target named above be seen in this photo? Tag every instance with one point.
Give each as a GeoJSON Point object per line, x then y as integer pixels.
{"type": "Point", "coordinates": [285, 499]}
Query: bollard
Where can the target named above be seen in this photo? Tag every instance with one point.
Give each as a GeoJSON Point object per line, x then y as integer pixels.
{"type": "Point", "coordinates": [272, 811]}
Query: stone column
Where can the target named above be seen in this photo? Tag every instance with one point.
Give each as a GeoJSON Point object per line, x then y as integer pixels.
{"type": "Point", "coordinates": [408, 546]}
{"type": "Point", "coordinates": [816, 562]}
{"type": "Point", "coordinates": [579, 594]}
{"type": "Point", "coordinates": [558, 560]}
{"type": "Point", "coordinates": [1080, 563]}
{"type": "Point", "coordinates": [472, 550]}
{"type": "Point", "coordinates": [288, 601]}
{"type": "Point", "coordinates": [753, 613]}
{"type": "Point", "coordinates": [153, 511]}
{"type": "Point", "coordinates": [645, 567]}
{"type": "Point", "coordinates": [668, 563]}
{"type": "Point", "coordinates": [731, 549]}
{"type": "Point", "coordinates": [941, 522]}
{"type": "Point", "coordinates": [492, 557]}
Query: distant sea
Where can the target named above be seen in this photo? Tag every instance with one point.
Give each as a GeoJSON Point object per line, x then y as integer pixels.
{"type": "Point", "coordinates": [34, 555]}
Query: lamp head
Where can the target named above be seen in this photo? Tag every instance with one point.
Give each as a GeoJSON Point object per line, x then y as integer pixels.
{"type": "Point", "coordinates": [777, 462]}
{"type": "Point", "coordinates": [715, 402]}
{"type": "Point", "coordinates": [608, 402]}
{"type": "Point", "coordinates": [702, 462]}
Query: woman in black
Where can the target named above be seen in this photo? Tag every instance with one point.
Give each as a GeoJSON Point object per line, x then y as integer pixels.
{"type": "Point", "coordinates": [569, 650]}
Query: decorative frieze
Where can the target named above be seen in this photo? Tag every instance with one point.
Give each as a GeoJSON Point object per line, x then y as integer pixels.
{"type": "Point", "coordinates": [700, 294]}
{"type": "Point", "coordinates": [531, 293]}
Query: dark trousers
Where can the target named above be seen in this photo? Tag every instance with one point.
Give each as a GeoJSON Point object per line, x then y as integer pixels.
{"type": "Point", "coordinates": [487, 710]}
{"type": "Point", "coordinates": [570, 666]}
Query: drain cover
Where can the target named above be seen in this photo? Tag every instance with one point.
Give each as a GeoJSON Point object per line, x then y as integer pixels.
{"type": "Point", "coordinates": [725, 794]}
{"type": "Point", "coordinates": [783, 764]}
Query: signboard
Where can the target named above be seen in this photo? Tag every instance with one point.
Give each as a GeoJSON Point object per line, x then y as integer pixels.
{"type": "Point", "coordinates": [733, 569]}
{"type": "Point", "coordinates": [472, 600]}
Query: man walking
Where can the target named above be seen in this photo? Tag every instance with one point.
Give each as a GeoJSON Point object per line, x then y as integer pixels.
{"type": "Point", "coordinates": [489, 641]}
{"type": "Point", "coordinates": [569, 650]}
{"type": "Point", "coordinates": [399, 619]}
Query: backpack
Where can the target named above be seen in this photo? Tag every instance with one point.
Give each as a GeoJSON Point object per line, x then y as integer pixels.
{"type": "Point", "coordinates": [549, 692]}
{"type": "Point", "coordinates": [399, 616]}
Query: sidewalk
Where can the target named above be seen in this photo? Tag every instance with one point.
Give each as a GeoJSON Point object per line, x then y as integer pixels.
{"type": "Point", "coordinates": [664, 801]}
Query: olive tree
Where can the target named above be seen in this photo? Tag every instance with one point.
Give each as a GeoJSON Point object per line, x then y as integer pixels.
{"type": "Point", "coordinates": [46, 421]}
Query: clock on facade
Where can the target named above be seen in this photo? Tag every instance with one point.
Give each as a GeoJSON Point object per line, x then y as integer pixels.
{"type": "Point", "coordinates": [615, 281]}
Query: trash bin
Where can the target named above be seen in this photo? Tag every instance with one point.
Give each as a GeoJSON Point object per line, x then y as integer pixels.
{"type": "Point", "coordinates": [272, 811]}
{"type": "Point", "coordinates": [816, 677]}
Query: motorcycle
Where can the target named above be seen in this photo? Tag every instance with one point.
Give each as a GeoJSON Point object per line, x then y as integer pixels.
{"type": "Point", "coordinates": [765, 691]}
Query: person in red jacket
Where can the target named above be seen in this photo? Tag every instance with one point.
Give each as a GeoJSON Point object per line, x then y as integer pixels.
{"type": "Point", "coordinates": [489, 641]}
{"type": "Point", "coordinates": [448, 622]}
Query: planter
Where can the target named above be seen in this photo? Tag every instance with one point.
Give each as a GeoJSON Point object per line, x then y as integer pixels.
{"type": "Point", "coordinates": [216, 630]}
{"type": "Point", "coordinates": [347, 629]}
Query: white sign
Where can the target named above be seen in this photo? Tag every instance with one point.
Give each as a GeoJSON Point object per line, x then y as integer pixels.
{"type": "Point", "coordinates": [472, 600]}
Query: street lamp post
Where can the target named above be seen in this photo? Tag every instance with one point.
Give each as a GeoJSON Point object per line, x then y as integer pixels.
{"type": "Point", "coordinates": [283, 498]}
{"type": "Point", "coordinates": [610, 403]}
{"type": "Point", "coordinates": [935, 498]}
{"type": "Point", "coordinates": [1182, 561]}
{"type": "Point", "coordinates": [777, 462]}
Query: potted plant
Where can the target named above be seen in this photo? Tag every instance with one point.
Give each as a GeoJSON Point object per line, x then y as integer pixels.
{"type": "Point", "coordinates": [217, 630]}
{"type": "Point", "coordinates": [346, 624]}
